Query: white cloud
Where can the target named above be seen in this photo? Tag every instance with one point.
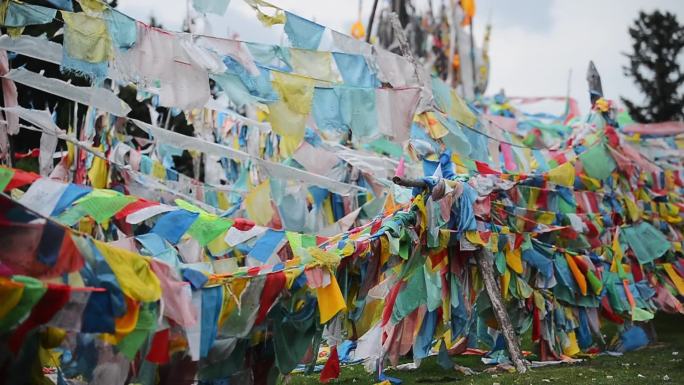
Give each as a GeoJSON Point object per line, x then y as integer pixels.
{"type": "Point", "coordinates": [528, 63]}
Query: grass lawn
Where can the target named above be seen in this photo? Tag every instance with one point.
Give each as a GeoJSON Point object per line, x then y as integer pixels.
{"type": "Point", "coordinates": [646, 366]}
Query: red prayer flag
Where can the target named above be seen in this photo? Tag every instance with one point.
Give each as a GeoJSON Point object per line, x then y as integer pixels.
{"type": "Point", "coordinates": [21, 178]}
{"type": "Point", "coordinates": [272, 288]}
{"type": "Point", "coordinates": [134, 207]}
{"type": "Point", "coordinates": [484, 169]}
{"type": "Point", "coordinates": [331, 369]}
{"type": "Point", "coordinates": [159, 348]}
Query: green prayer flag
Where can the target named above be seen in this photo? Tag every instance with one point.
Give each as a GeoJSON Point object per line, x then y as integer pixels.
{"type": "Point", "coordinates": [206, 228]}
{"type": "Point", "coordinates": [6, 175]}
{"type": "Point", "coordinates": [566, 207]}
{"type": "Point", "coordinates": [144, 328]}
{"type": "Point", "coordinates": [524, 288]}
{"type": "Point", "coordinates": [101, 205]}
{"type": "Point", "coordinates": [597, 162]}
{"type": "Point", "coordinates": [34, 290]}
{"type": "Point", "coordinates": [293, 333]}
{"type": "Point", "coordinates": [413, 295]}
{"type": "Point", "coordinates": [404, 246]}
{"type": "Point", "coordinates": [594, 282]}
{"type": "Point", "coordinates": [300, 241]}
{"type": "Point", "coordinates": [71, 216]}
{"type": "Point", "coordinates": [647, 242]}
{"type": "Point", "coordinates": [308, 240]}
{"type": "Point", "coordinates": [294, 239]}
{"type": "Point", "coordinates": [433, 284]}
{"type": "Point", "coordinates": [500, 262]}
{"type": "Point", "coordinates": [641, 315]}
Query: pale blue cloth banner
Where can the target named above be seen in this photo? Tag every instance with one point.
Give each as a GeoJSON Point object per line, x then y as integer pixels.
{"type": "Point", "coordinates": [20, 15]}
{"type": "Point", "coordinates": [303, 33]}
{"type": "Point", "coordinates": [346, 108]}
{"type": "Point", "coordinates": [122, 29]}
{"type": "Point", "coordinates": [355, 71]}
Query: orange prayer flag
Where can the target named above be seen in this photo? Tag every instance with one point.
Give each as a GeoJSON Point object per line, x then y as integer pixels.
{"type": "Point", "coordinates": [468, 7]}
{"type": "Point", "coordinates": [577, 274]}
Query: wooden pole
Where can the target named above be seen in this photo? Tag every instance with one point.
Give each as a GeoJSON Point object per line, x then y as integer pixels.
{"type": "Point", "coordinates": [404, 46]}
{"type": "Point", "coordinates": [400, 35]}
{"type": "Point", "coordinates": [370, 21]}
{"type": "Point", "coordinates": [485, 264]}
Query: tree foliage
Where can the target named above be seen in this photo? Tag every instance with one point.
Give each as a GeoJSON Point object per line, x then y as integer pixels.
{"type": "Point", "coordinates": [658, 40]}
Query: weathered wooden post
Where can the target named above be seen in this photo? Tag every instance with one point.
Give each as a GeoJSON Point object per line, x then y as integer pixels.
{"type": "Point", "coordinates": [404, 46]}
{"type": "Point", "coordinates": [486, 266]}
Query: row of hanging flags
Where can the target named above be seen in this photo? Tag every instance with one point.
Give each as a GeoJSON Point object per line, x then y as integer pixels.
{"type": "Point", "coordinates": [117, 268]}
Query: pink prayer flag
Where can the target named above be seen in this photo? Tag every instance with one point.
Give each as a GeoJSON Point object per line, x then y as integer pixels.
{"type": "Point", "coordinates": [401, 168]}
{"type": "Point", "coordinates": [508, 157]}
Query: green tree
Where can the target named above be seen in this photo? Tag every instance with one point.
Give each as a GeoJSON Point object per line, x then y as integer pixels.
{"type": "Point", "coordinates": [658, 40]}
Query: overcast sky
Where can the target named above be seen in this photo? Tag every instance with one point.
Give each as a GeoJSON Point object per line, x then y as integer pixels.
{"type": "Point", "coordinates": [534, 43]}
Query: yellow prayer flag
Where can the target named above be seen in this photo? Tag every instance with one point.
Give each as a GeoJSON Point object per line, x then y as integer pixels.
{"type": "Point", "coordinates": [288, 115]}
{"type": "Point", "coordinates": [591, 183]}
{"type": "Point", "coordinates": [296, 91]}
{"type": "Point", "coordinates": [617, 252]}
{"type": "Point", "coordinates": [289, 144]}
{"type": "Point", "coordinates": [563, 175]}
{"type": "Point", "coordinates": [223, 203]}
{"type": "Point", "coordinates": [87, 37]}
{"type": "Point", "coordinates": [514, 260]}
{"type": "Point", "coordinates": [532, 199]}
{"type": "Point", "coordinates": [460, 111]}
{"type": "Point", "coordinates": [158, 170]}
{"type": "Point", "coordinates": [93, 5]}
{"type": "Point", "coordinates": [218, 245]}
{"type": "Point", "coordinates": [231, 296]}
{"type": "Point", "coordinates": [267, 20]}
{"type": "Point", "coordinates": [98, 171]}
{"type": "Point", "coordinates": [258, 203]}
{"type": "Point", "coordinates": [316, 65]}
{"type": "Point", "coordinates": [493, 244]}
{"type": "Point", "coordinates": [571, 348]}
{"type": "Point", "coordinates": [10, 294]}
{"type": "Point", "coordinates": [330, 300]}
{"type": "Point", "coordinates": [546, 217]}
{"type": "Point", "coordinates": [505, 283]}
{"type": "Point", "coordinates": [474, 238]}
{"type": "Point", "coordinates": [434, 128]}
{"type": "Point", "coordinates": [675, 277]}
{"type": "Point", "coordinates": [132, 271]}
{"type": "Point", "coordinates": [632, 209]}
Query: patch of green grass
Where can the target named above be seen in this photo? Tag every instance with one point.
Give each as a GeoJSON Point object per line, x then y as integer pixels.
{"type": "Point", "coordinates": [652, 363]}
